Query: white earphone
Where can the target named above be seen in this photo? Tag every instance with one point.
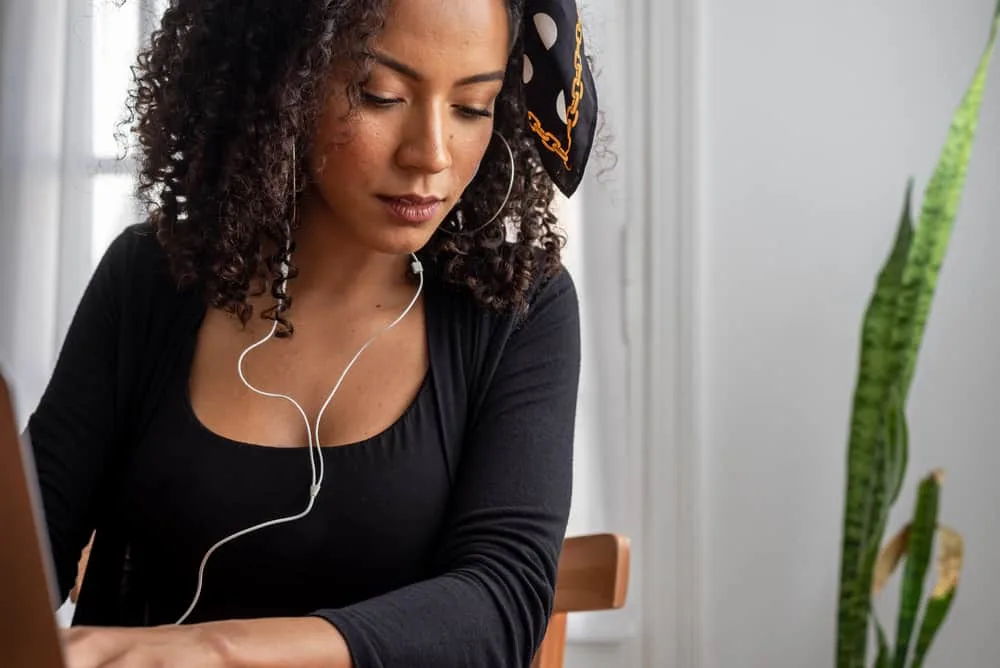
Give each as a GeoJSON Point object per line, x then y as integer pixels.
{"type": "Point", "coordinates": [312, 431]}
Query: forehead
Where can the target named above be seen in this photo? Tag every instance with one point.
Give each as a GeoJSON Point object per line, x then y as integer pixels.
{"type": "Point", "coordinates": [461, 34]}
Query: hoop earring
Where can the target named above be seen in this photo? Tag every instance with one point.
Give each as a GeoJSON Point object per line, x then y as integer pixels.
{"type": "Point", "coordinates": [459, 216]}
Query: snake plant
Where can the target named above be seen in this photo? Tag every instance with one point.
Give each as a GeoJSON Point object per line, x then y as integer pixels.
{"type": "Point", "coordinates": [877, 450]}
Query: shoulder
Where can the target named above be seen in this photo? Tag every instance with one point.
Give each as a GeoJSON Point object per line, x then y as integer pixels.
{"type": "Point", "coordinates": [552, 299]}
{"type": "Point", "coordinates": [135, 278]}
{"type": "Point", "coordinates": [487, 337]}
{"type": "Point", "coordinates": [549, 294]}
{"type": "Point", "coordinates": [136, 269]}
{"type": "Point", "coordinates": [135, 253]}
{"type": "Point", "coordinates": [554, 292]}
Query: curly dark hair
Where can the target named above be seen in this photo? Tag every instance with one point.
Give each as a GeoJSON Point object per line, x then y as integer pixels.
{"type": "Point", "coordinates": [229, 90]}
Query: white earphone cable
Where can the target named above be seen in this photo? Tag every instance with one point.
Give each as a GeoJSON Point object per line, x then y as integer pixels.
{"type": "Point", "coordinates": [312, 431]}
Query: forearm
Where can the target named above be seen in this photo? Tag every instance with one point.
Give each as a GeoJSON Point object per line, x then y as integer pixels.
{"type": "Point", "coordinates": [279, 643]}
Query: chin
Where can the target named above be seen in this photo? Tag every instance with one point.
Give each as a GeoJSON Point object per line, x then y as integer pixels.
{"type": "Point", "coordinates": [403, 240]}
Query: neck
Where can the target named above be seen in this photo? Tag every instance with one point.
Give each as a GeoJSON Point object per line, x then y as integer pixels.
{"type": "Point", "coordinates": [333, 264]}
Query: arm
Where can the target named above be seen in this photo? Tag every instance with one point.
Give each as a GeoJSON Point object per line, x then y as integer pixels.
{"type": "Point", "coordinates": [279, 643]}
{"type": "Point", "coordinates": [252, 643]}
{"type": "Point", "coordinates": [72, 429]}
{"type": "Point", "coordinates": [495, 571]}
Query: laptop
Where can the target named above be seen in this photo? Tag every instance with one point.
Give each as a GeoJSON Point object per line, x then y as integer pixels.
{"type": "Point", "coordinates": [29, 632]}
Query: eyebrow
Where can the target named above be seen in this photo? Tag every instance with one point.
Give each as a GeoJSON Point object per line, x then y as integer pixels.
{"type": "Point", "coordinates": [413, 74]}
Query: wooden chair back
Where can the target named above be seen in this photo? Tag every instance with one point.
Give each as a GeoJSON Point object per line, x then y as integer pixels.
{"type": "Point", "coordinates": [593, 575]}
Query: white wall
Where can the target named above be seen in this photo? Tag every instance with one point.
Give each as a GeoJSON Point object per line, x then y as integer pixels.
{"type": "Point", "coordinates": [813, 116]}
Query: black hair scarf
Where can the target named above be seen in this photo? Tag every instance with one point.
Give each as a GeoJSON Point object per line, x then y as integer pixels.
{"type": "Point", "coordinates": [559, 90]}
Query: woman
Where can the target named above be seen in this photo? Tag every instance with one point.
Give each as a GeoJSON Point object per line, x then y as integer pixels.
{"type": "Point", "coordinates": [319, 408]}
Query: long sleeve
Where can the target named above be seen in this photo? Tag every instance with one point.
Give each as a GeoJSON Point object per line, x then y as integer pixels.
{"type": "Point", "coordinates": [72, 429]}
{"type": "Point", "coordinates": [493, 586]}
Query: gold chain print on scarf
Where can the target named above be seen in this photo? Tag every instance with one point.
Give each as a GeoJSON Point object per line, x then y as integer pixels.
{"type": "Point", "coordinates": [549, 140]}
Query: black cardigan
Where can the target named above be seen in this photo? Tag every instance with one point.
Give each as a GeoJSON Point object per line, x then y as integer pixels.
{"type": "Point", "coordinates": [489, 602]}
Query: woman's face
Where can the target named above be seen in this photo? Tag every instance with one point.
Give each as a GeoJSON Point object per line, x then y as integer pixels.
{"type": "Point", "coordinates": [389, 173]}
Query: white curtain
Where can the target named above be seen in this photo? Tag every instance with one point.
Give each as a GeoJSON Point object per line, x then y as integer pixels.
{"type": "Point", "coordinates": [63, 191]}
{"type": "Point", "coordinates": [33, 162]}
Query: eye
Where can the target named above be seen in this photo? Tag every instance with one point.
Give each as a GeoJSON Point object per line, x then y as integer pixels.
{"type": "Point", "coordinates": [376, 101]}
{"type": "Point", "coordinates": [473, 112]}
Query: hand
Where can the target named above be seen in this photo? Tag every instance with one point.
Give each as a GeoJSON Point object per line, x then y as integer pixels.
{"type": "Point", "coordinates": [81, 568]}
{"type": "Point", "coordinates": [157, 647]}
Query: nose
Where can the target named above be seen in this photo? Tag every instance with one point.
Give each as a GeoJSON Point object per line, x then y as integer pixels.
{"type": "Point", "coordinates": [424, 147]}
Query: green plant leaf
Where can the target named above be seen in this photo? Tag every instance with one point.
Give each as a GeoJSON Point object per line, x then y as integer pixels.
{"type": "Point", "coordinates": [865, 497]}
{"type": "Point", "coordinates": [891, 335]}
{"type": "Point", "coordinates": [937, 218]}
{"type": "Point", "coordinates": [949, 567]}
{"type": "Point", "coordinates": [898, 440]}
{"type": "Point", "coordinates": [950, 556]}
{"type": "Point", "coordinates": [937, 610]}
{"type": "Point", "coordinates": [888, 471]}
{"type": "Point", "coordinates": [919, 546]}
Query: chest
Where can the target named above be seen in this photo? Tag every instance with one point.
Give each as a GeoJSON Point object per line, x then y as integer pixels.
{"type": "Point", "coordinates": [348, 369]}
{"type": "Point", "coordinates": [374, 526]}
{"type": "Point", "coordinates": [195, 478]}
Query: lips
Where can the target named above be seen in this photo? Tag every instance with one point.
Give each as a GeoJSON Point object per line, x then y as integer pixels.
{"type": "Point", "coordinates": [413, 209]}
{"type": "Point", "coordinates": [415, 200]}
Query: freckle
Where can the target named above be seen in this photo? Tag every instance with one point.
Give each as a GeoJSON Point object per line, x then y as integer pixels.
{"type": "Point", "coordinates": [378, 306]}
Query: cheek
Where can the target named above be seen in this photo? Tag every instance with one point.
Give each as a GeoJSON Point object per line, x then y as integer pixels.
{"type": "Point", "coordinates": [468, 151]}
{"type": "Point", "coordinates": [342, 144]}
{"type": "Point", "coordinates": [351, 152]}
